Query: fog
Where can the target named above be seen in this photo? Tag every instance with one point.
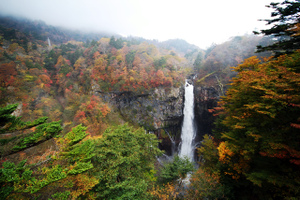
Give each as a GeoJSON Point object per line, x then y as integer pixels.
{"type": "Point", "coordinates": [198, 22]}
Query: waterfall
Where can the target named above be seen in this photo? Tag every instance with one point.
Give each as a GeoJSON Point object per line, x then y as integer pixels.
{"type": "Point", "coordinates": [49, 43]}
{"type": "Point", "coordinates": [188, 130]}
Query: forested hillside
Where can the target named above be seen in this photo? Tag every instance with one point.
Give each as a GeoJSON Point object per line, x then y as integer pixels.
{"type": "Point", "coordinates": [54, 88]}
{"type": "Point", "coordinates": [98, 116]}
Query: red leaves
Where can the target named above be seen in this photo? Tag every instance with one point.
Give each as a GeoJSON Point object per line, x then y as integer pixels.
{"type": "Point", "coordinates": [79, 115]}
{"type": "Point", "coordinates": [295, 125]}
{"type": "Point", "coordinates": [8, 73]}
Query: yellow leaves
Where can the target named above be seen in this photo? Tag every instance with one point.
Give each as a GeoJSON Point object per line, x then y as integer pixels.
{"type": "Point", "coordinates": [28, 78]}
{"type": "Point", "coordinates": [255, 136]}
{"type": "Point", "coordinates": [261, 109]}
{"type": "Point", "coordinates": [131, 79]}
{"type": "Point", "coordinates": [13, 47]}
{"type": "Point", "coordinates": [249, 64]}
{"type": "Point", "coordinates": [236, 126]}
{"type": "Point", "coordinates": [56, 114]}
{"type": "Point", "coordinates": [60, 61]}
{"type": "Point", "coordinates": [224, 152]}
{"type": "Point", "coordinates": [79, 64]}
{"type": "Point", "coordinates": [100, 62]}
{"type": "Point", "coordinates": [104, 40]}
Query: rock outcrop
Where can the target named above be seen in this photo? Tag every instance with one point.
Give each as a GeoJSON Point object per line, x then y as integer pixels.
{"type": "Point", "coordinates": [205, 98]}
{"type": "Point", "coordinates": [159, 111]}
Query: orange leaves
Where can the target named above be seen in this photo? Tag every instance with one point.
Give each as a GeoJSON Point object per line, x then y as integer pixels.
{"type": "Point", "coordinates": [165, 192]}
{"type": "Point", "coordinates": [82, 184]}
{"type": "Point", "coordinates": [96, 55]}
{"type": "Point", "coordinates": [104, 110]}
{"type": "Point", "coordinates": [224, 152]}
{"type": "Point", "coordinates": [44, 78]}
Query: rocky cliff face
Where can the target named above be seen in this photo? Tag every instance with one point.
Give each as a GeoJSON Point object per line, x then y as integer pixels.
{"type": "Point", "coordinates": [159, 111]}
{"type": "Point", "coordinates": [205, 98]}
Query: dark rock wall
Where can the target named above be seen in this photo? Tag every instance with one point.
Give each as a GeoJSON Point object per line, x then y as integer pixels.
{"type": "Point", "coordinates": [205, 98]}
{"type": "Point", "coordinates": [159, 111]}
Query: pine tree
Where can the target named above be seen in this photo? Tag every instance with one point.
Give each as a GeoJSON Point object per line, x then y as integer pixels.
{"type": "Point", "coordinates": [286, 24]}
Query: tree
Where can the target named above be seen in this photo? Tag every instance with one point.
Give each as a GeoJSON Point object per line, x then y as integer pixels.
{"type": "Point", "coordinates": [130, 58]}
{"type": "Point", "coordinates": [178, 168]}
{"type": "Point", "coordinates": [50, 60]}
{"type": "Point", "coordinates": [205, 185]}
{"type": "Point", "coordinates": [124, 163]}
{"type": "Point", "coordinates": [285, 27]}
{"type": "Point", "coordinates": [18, 136]}
{"type": "Point", "coordinates": [261, 136]}
{"type": "Point", "coordinates": [14, 178]}
{"type": "Point", "coordinates": [116, 43]}
{"type": "Point", "coordinates": [199, 61]}
{"type": "Point", "coordinates": [66, 174]}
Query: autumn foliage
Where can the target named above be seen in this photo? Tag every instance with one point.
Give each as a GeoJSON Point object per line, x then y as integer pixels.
{"type": "Point", "coordinates": [260, 124]}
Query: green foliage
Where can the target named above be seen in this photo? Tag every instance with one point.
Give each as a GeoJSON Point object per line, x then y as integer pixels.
{"type": "Point", "coordinates": [130, 58]}
{"type": "Point", "coordinates": [149, 108]}
{"type": "Point", "coordinates": [76, 159]}
{"type": "Point", "coordinates": [177, 168]}
{"type": "Point", "coordinates": [12, 123]}
{"type": "Point", "coordinates": [198, 61]}
{"type": "Point", "coordinates": [80, 167]}
{"type": "Point", "coordinates": [50, 60]}
{"type": "Point", "coordinates": [76, 151]}
{"type": "Point", "coordinates": [5, 141]}
{"type": "Point", "coordinates": [77, 134]}
{"type": "Point", "coordinates": [160, 63]}
{"type": "Point", "coordinates": [83, 151]}
{"type": "Point", "coordinates": [209, 155]}
{"type": "Point", "coordinates": [43, 132]}
{"type": "Point", "coordinates": [124, 163]}
{"type": "Point", "coordinates": [29, 64]}
{"type": "Point", "coordinates": [11, 174]}
{"type": "Point", "coordinates": [61, 195]}
{"type": "Point", "coordinates": [116, 43]}
{"type": "Point", "coordinates": [7, 119]}
{"type": "Point", "coordinates": [34, 185]}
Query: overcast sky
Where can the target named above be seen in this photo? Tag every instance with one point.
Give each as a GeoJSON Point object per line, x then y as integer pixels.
{"type": "Point", "coordinates": [199, 22]}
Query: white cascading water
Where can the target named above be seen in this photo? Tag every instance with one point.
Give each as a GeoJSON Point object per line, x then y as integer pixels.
{"type": "Point", "coordinates": [188, 129]}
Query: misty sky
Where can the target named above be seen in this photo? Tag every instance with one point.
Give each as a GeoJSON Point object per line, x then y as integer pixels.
{"type": "Point", "coordinates": [199, 22]}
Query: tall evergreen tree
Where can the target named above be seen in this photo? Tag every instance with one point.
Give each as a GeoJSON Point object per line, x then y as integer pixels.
{"type": "Point", "coordinates": [286, 25]}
